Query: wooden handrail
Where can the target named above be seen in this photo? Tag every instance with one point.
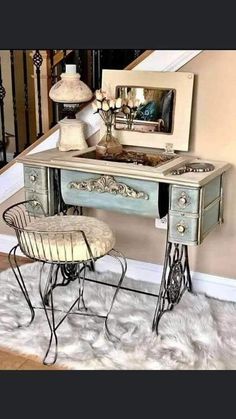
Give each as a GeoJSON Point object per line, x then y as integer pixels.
{"type": "Point", "coordinates": [59, 56]}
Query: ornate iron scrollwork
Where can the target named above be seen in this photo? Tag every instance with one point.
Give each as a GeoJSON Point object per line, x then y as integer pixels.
{"type": "Point", "coordinates": [175, 280]}
{"type": "Point", "coordinates": [37, 59]}
{"type": "Point", "coordinates": [2, 92]}
{"type": "Point", "coordinates": [108, 184]}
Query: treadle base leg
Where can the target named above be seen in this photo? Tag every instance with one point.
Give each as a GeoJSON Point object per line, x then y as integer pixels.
{"type": "Point", "coordinates": [175, 280]}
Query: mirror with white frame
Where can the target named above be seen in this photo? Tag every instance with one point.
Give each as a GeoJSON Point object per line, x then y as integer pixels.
{"type": "Point", "coordinates": [146, 109]}
{"type": "Point", "coordinates": [160, 105]}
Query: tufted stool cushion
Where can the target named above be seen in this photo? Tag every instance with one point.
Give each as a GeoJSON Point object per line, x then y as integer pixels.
{"type": "Point", "coordinates": [57, 239]}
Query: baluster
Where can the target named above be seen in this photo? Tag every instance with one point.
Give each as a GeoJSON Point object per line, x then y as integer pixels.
{"type": "Point", "coordinates": [78, 61]}
{"type": "Point", "coordinates": [26, 99]}
{"type": "Point", "coordinates": [38, 60]}
{"type": "Point", "coordinates": [2, 96]}
{"type": "Point", "coordinates": [13, 85]}
{"type": "Point", "coordinates": [53, 78]}
{"type": "Point", "coordinates": [137, 53]}
{"type": "Point", "coordinates": [89, 68]}
{"type": "Point", "coordinates": [94, 56]}
{"type": "Point", "coordinates": [63, 63]}
{"type": "Point", "coordinates": [99, 69]}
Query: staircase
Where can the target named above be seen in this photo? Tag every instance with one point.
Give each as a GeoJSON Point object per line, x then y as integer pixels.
{"type": "Point", "coordinates": [26, 112]}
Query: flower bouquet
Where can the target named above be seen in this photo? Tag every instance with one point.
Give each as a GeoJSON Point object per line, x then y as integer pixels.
{"type": "Point", "coordinates": [107, 108]}
{"type": "Point", "coordinates": [130, 107]}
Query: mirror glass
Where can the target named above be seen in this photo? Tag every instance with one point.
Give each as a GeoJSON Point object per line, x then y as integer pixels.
{"type": "Point", "coordinates": [145, 109]}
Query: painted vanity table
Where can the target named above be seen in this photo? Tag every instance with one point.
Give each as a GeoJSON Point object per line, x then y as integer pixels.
{"type": "Point", "coordinates": [193, 201]}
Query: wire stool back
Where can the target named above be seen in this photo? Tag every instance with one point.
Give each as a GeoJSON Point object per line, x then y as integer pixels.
{"type": "Point", "coordinates": [68, 252]}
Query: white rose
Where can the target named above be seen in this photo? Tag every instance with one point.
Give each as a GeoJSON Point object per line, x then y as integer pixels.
{"type": "Point", "coordinates": [99, 95]}
{"type": "Point", "coordinates": [126, 110]}
{"type": "Point", "coordinates": [105, 106]}
{"type": "Point", "coordinates": [118, 102]}
{"type": "Point", "coordinates": [112, 103]}
{"type": "Point", "coordinates": [131, 103]}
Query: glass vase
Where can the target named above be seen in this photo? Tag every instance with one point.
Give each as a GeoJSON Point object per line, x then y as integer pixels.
{"type": "Point", "coordinates": [108, 145]}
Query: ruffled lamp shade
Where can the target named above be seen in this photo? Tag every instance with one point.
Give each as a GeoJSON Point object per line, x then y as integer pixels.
{"type": "Point", "coordinates": [71, 91]}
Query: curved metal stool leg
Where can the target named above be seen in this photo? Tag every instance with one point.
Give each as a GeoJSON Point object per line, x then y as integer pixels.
{"type": "Point", "coordinates": [19, 278]}
{"type": "Point", "coordinates": [51, 321]}
{"type": "Point", "coordinates": [123, 264]}
{"type": "Point", "coordinates": [49, 289]}
{"type": "Point", "coordinates": [81, 279]}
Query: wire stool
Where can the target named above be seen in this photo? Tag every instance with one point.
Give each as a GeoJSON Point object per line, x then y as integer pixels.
{"type": "Point", "coordinates": [68, 251]}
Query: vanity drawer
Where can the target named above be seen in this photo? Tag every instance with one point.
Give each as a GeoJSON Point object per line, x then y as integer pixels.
{"type": "Point", "coordinates": [183, 228]}
{"type": "Point", "coordinates": [115, 193]}
{"type": "Point", "coordinates": [184, 199]}
{"type": "Point", "coordinates": [35, 178]}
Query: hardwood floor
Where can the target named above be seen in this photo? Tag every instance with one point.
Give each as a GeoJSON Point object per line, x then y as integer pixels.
{"type": "Point", "coordinates": [10, 360]}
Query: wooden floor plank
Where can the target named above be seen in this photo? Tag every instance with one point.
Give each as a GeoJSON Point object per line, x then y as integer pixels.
{"type": "Point", "coordinates": [10, 360]}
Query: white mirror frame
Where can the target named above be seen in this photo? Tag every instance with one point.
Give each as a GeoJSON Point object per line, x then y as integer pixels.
{"type": "Point", "coordinates": [181, 82]}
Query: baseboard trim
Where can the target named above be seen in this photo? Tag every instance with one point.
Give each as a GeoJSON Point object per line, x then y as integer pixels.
{"type": "Point", "coordinates": [214, 286]}
{"type": "Point", "coordinates": [7, 242]}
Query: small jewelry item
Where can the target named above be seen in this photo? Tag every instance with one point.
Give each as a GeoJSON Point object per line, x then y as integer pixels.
{"type": "Point", "coordinates": [194, 167]}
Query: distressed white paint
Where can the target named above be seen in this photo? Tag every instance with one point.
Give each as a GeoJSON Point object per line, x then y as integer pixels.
{"type": "Point", "coordinates": [50, 142]}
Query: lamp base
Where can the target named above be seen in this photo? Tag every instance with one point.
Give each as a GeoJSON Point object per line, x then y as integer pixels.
{"type": "Point", "coordinates": [72, 135]}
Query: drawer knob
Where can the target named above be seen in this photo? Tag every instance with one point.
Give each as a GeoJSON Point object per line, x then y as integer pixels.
{"type": "Point", "coordinates": [180, 228]}
{"type": "Point", "coordinates": [35, 204]}
{"type": "Point", "coordinates": [183, 200]}
{"type": "Point", "coordinates": [33, 178]}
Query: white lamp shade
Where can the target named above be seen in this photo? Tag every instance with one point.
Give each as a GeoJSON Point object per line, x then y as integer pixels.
{"type": "Point", "coordinates": [70, 89]}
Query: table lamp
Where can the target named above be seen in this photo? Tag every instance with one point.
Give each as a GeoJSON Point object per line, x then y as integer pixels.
{"type": "Point", "coordinates": [71, 91]}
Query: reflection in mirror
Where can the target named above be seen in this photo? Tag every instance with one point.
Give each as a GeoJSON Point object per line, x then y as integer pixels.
{"type": "Point", "coordinates": [145, 109]}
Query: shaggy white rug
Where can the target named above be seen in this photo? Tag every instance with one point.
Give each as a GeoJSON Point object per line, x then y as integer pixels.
{"type": "Point", "coordinates": [200, 333]}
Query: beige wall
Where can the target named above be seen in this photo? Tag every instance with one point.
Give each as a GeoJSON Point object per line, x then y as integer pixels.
{"type": "Point", "coordinates": [213, 136]}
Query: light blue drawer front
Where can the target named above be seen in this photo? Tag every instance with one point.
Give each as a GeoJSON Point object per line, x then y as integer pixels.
{"type": "Point", "coordinates": [183, 228]}
{"type": "Point", "coordinates": [115, 193]}
{"type": "Point", "coordinates": [184, 199]}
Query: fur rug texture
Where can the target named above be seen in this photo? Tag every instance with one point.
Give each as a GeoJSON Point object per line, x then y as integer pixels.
{"type": "Point", "coordinates": [199, 334]}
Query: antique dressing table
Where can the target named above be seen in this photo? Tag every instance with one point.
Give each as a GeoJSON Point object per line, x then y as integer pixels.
{"type": "Point", "coordinates": [192, 200]}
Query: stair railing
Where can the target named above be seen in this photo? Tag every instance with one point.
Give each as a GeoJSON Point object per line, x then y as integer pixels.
{"type": "Point", "coordinates": [32, 74]}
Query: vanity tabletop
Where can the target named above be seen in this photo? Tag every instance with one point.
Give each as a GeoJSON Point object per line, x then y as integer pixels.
{"type": "Point", "coordinates": [74, 160]}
